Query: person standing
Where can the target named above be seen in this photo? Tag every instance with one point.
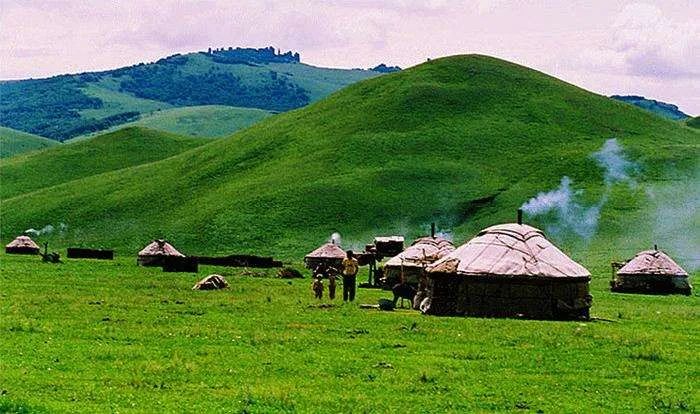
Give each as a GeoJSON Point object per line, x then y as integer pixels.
{"type": "Point", "coordinates": [350, 268]}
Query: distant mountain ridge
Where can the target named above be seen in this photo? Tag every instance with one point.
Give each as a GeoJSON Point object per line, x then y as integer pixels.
{"type": "Point", "coordinates": [664, 109]}
{"type": "Point", "coordinates": [66, 106]}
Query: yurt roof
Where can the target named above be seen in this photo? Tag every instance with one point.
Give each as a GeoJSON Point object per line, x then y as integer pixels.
{"type": "Point", "coordinates": [511, 250]}
{"type": "Point", "coordinates": [23, 241]}
{"type": "Point", "coordinates": [652, 262]}
{"type": "Point", "coordinates": [423, 251]}
{"type": "Point", "coordinates": [160, 248]}
{"type": "Point", "coordinates": [327, 251]}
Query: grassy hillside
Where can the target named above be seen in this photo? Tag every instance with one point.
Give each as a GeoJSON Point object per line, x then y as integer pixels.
{"type": "Point", "coordinates": [693, 122]}
{"type": "Point", "coordinates": [463, 141]}
{"type": "Point", "coordinates": [60, 164]}
{"type": "Point", "coordinates": [63, 107]}
{"type": "Point", "coordinates": [198, 121]}
{"type": "Point", "coordinates": [13, 142]}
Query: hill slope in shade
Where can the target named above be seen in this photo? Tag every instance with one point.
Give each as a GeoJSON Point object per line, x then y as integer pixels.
{"type": "Point", "coordinates": [209, 121]}
{"type": "Point", "coordinates": [128, 147]}
{"type": "Point", "coordinates": [63, 107]}
{"type": "Point", "coordinates": [462, 141]}
{"type": "Point", "coordinates": [693, 122]}
{"type": "Point", "coordinates": [664, 109]}
{"type": "Point", "coordinates": [13, 142]}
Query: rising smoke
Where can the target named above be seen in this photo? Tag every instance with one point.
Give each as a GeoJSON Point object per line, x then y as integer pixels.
{"type": "Point", "coordinates": [335, 239]}
{"type": "Point", "coordinates": [567, 216]}
{"type": "Point", "coordinates": [47, 230]}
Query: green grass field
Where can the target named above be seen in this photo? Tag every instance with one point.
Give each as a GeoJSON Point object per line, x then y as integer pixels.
{"type": "Point", "coordinates": [206, 121]}
{"type": "Point", "coordinates": [89, 336]}
{"type": "Point", "coordinates": [13, 142]}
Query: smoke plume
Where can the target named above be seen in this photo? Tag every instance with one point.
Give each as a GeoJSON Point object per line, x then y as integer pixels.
{"type": "Point", "coordinates": [566, 215]}
{"type": "Point", "coordinates": [47, 230]}
{"type": "Point", "coordinates": [335, 239]}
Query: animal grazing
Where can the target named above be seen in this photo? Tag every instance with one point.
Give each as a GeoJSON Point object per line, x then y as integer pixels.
{"type": "Point", "coordinates": [403, 291]}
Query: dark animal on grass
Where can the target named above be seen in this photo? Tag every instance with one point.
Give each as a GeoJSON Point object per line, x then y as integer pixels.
{"type": "Point", "coordinates": [403, 291]}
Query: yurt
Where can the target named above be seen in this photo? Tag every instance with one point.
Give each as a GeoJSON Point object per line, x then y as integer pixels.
{"type": "Point", "coordinates": [328, 255]}
{"type": "Point", "coordinates": [22, 245]}
{"type": "Point", "coordinates": [508, 270]}
{"type": "Point", "coordinates": [651, 271]}
{"type": "Point", "coordinates": [409, 265]}
{"type": "Point", "coordinates": [155, 253]}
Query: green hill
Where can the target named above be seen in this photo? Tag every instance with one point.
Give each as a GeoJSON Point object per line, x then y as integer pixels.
{"type": "Point", "coordinates": [66, 106]}
{"type": "Point", "coordinates": [13, 142]}
{"type": "Point", "coordinates": [693, 122]}
{"type": "Point", "coordinates": [207, 121]}
{"type": "Point", "coordinates": [463, 141]}
{"type": "Point", "coordinates": [127, 147]}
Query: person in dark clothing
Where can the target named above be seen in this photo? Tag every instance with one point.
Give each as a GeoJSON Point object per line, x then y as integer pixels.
{"type": "Point", "coordinates": [350, 268]}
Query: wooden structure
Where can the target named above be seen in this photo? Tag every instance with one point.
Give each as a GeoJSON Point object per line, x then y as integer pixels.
{"type": "Point", "coordinates": [651, 271]}
{"type": "Point", "coordinates": [82, 253]}
{"type": "Point", "coordinates": [155, 253]}
{"type": "Point", "coordinates": [388, 246]}
{"type": "Point", "coordinates": [181, 264]}
{"type": "Point", "coordinates": [508, 270]}
{"type": "Point", "coordinates": [22, 245]}
{"type": "Point", "coordinates": [240, 260]}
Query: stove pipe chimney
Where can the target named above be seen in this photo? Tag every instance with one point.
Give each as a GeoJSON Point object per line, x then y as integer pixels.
{"type": "Point", "coordinates": [432, 230]}
{"type": "Point", "coordinates": [520, 216]}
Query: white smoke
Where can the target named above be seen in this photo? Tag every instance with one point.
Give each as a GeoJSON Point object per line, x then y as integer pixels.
{"type": "Point", "coordinates": [616, 166]}
{"type": "Point", "coordinates": [47, 230]}
{"type": "Point", "coordinates": [335, 239]}
{"type": "Point", "coordinates": [571, 217]}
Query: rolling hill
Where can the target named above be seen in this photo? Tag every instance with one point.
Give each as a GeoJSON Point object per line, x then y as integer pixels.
{"type": "Point", "coordinates": [13, 142]}
{"type": "Point", "coordinates": [66, 106]}
{"type": "Point", "coordinates": [127, 147]}
{"type": "Point", "coordinates": [207, 121]}
{"type": "Point", "coordinates": [463, 141]}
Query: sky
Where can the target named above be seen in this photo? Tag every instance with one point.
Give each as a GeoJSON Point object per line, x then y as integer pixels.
{"type": "Point", "coordinates": [609, 47]}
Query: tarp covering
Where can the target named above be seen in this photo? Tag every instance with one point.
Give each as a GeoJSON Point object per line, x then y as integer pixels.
{"type": "Point", "coordinates": [24, 242]}
{"type": "Point", "coordinates": [211, 282]}
{"type": "Point", "coordinates": [160, 248]}
{"type": "Point", "coordinates": [422, 252]}
{"type": "Point", "coordinates": [514, 250]}
{"type": "Point", "coordinates": [652, 262]}
{"type": "Point", "coordinates": [327, 251]}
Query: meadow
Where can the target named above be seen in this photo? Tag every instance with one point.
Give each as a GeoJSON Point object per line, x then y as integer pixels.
{"type": "Point", "coordinates": [92, 336]}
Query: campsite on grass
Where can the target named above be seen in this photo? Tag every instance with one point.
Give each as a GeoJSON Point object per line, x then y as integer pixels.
{"type": "Point", "coordinates": [397, 207]}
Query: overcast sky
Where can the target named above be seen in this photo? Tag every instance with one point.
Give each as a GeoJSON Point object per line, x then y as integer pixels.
{"type": "Point", "coordinates": [647, 48]}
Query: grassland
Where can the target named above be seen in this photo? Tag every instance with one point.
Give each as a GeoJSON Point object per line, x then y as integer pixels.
{"type": "Point", "coordinates": [88, 336]}
{"type": "Point", "coordinates": [128, 147]}
{"type": "Point", "coordinates": [13, 142]}
{"type": "Point", "coordinates": [462, 141]}
{"type": "Point", "coordinates": [206, 121]}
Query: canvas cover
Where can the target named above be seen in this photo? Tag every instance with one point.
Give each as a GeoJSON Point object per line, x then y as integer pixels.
{"type": "Point", "coordinates": [211, 282]}
{"type": "Point", "coordinates": [24, 242]}
{"type": "Point", "coordinates": [513, 250]}
{"type": "Point", "coordinates": [652, 262]}
{"type": "Point", "coordinates": [160, 248]}
{"type": "Point", "coordinates": [327, 251]}
{"type": "Point", "coordinates": [422, 252]}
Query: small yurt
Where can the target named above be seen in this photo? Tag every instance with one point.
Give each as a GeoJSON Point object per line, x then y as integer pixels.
{"type": "Point", "coordinates": [408, 266]}
{"type": "Point", "coordinates": [651, 271]}
{"type": "Point", "coordinates": [508, 270]}
{"type": "Point", "coordinates": [22, 245]}
{"type": "Point", "coordinates": [155, 253]}
{"type": "Point", "coordinates": [328, 255]}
